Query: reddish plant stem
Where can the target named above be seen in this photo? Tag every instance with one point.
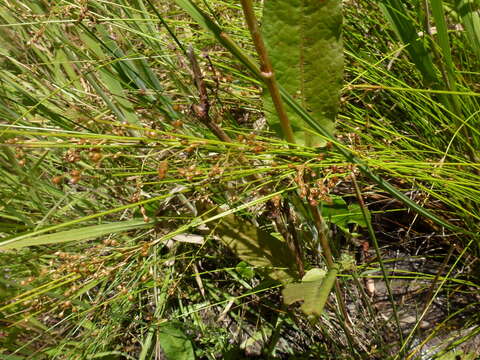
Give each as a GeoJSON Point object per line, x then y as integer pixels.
{"type": "Point", "coordinates": [266, 70]}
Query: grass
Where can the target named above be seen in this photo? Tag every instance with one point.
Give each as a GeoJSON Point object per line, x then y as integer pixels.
{"type": "Point", "coordinates": [120, 207]}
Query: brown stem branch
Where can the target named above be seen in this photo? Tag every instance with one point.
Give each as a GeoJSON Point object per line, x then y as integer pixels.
{"type": "Point", "coordinates": [202, 108]}
{"type": "Point", "coordinates": [266, 69]}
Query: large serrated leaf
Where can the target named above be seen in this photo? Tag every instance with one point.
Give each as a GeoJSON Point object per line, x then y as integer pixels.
{"type": "Point", "coordinates": [303, 39]}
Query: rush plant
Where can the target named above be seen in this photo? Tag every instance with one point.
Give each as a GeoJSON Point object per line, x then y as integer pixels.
{"type": "Point", "coordinates": [188, 179]}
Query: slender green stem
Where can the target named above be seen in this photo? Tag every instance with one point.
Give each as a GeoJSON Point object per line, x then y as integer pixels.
{"type": "Point", "coordinates": [372, 235]}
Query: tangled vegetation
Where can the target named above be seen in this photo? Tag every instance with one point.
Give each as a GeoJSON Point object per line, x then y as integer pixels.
{"type": "Point", "coordinates": [152, 208]}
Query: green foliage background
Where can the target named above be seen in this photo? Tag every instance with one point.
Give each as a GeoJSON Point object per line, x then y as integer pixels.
{"type": "Point", "coordinates": [121, 213]}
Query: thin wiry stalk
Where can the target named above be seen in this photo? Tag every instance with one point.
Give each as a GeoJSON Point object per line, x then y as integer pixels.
{"type": "Point", "coordinates": [372, 235]}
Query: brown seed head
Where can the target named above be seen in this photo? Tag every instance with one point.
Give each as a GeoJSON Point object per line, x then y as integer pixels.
{"type": "Point", "coordinates": [95, 156]}
{"type": "Point", "coordinates": [57, 180]}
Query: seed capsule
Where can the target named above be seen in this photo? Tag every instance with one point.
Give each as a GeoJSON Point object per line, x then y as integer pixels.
{"type": "Point", "coordinates": [57, 180]}
{"type": "Point", "coordinates": [95, 156]}
{"type": "Point", "coordinates": [177, 124]}
{"type": "Point", "coordinates": [162, 169]}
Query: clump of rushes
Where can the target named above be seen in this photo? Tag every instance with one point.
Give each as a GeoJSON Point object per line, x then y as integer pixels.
{"type": "Point", "coordinates": [119, 196]}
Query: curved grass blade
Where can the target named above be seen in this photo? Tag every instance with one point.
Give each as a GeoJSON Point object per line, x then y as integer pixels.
{"type": "Point", "coordinates": [81, 234]}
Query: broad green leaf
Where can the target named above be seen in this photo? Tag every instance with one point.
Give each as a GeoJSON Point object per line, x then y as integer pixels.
{"type": "Point", "coordinates": [313, 290]}
{"type": "Point", "coordinates": [341, 214]}
{"type": "Point", "coordinates": [257, 247]}
{"type": "Point", "coordinates": [175, 344]}
{"type": "Point", "coordinates": [303, 39]}
{"type": "Point", "coordinates": [81, 234]}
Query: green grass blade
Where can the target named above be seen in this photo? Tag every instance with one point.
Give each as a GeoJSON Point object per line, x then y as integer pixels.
{"type": "Point", "coordinates": [222, 37]}
{"type": "Point", "coordinates": [443, 41]}
{"type": "Point", "coordinates": [81, 234]}
{"type": "Point", "coordinates": [469, 12]}
{"type": "Point", "coordinates": [404, 27]}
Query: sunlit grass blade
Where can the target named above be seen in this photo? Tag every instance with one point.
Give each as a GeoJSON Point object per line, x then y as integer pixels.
{"type": "Point", "coordinates": [444, 42]}
{"type": "Point", "coordinates": [82, 234]}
